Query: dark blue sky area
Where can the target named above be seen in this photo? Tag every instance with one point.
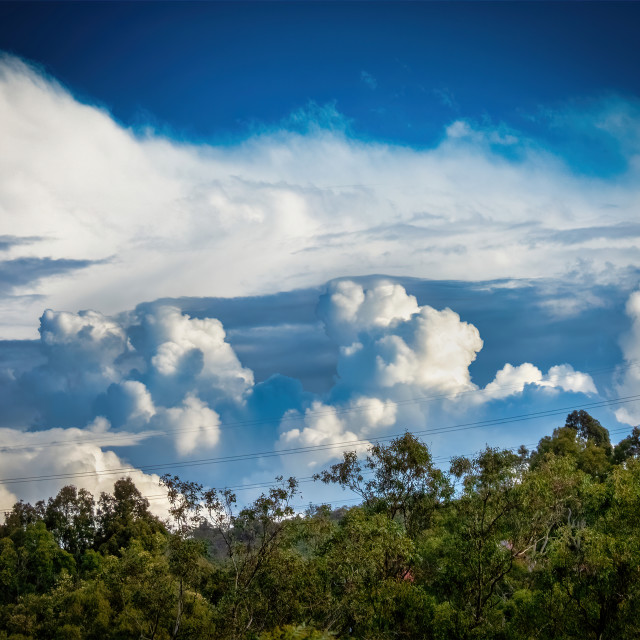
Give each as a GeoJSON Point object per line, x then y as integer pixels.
{"type": "Point", "coordinates": [398, 71]}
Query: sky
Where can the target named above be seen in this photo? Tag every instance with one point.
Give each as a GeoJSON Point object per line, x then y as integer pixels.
{"type": "Point", "coordinates": [239, 238]}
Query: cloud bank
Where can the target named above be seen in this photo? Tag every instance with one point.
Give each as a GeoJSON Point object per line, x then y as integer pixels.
{"type": "Point", "coordinates": [628, 379]}
{"type": "Point", "coordinates": [287, 208]}
{"type": "Point", "coordinates": [124, 216]}
{"type": "Point", "coordinates": [157, 385]}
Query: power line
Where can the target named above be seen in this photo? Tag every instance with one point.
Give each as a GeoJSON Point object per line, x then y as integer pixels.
{"type": "Point", "coordinates": [321, 447]}
{"type": "Point", "coordinates": [307, 479]}
{"type": "Point", "coordinates": [109, 440]}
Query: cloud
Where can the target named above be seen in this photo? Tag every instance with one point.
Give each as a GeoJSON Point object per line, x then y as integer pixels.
{"type": "Point", "coordinates": [196, 426]}
{"type": "Point", "coordinates": [335, 427]}
{"type": "Point", "coordinates": [185, 354]}
{"type": "Point", "coordinates": [156, 375]}
{"type": "Point", "coordinates": [389, 341]}
{"type": "Point", "coordinates": [286, 208]}
{"type": "Point", "coordinates": [8, 241]}
{"type": "Point", "coordinates": [368, 80]}
{"type": "Point", "coordinates": [598, 136]}
{"type": "Point", "coordinates": [628, 376]}
{"type": "Point", "coordinates": [347, 308]}
{"type": "Point", "coordinates": [399, 350]}
{"type": "Point", "coordinates": [161, 368]}
{"type": "Point", "coordinates": [77, 454]}
{"type": "Point", "coordinates": [23, 272]}
{"type": "Point", "coordinates": [511, 380]}
{"type": "Point", "coordinates": [564, 377]}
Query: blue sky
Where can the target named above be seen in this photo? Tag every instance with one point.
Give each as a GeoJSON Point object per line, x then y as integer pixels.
{"type": "Point", "coordinates": [263, 226]}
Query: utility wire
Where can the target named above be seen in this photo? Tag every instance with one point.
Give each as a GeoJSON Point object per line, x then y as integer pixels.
{"type": "Point", "coordinates": [307, 479]}
{"type": "Point", "coordinates": [109, 439]}
{"type": "Point", "coordinates": [321, 447]}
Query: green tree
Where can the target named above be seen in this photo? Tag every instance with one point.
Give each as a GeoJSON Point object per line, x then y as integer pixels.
{"type": "Point", "coordinates": [628, 447]}
{"type": "Point", "coordinates": [70, 517]}
{"type": "Point", "coordinates": [405, 484]}
{"type": "Point", "coordinates": [468, 558]}
{"type": "Point", "coordinates": [124, 516]}
{"type": "Point", "coordinates": [582, 438]}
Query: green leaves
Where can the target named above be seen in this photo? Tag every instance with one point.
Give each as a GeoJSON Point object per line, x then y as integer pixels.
{"type": "Point", "coordinates": [544, 546]}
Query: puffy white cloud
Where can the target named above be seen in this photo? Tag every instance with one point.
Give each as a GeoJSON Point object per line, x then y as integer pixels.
{"type": "Point", "coordinates": [133, 403]}
{"type": "Point", "coordinates": [566, 378]}
{"type": "Point", "coordinates": [419, 351]}
{"type": "Point", "coordinates": [284, 209]}
{"type": "Point", "coordinates": [419, 347]}
{"type": "Point", "coordinates": [196, 347]}
{"type": "Point", "coordinates": [334, 427]}
{"type": "Point", "coordinates": [87, 336]}
{"type": "Point", "coordinates": [347, 308]}
{"type": "Point", "coordinates": [194, 424]}
{"type": "Point", "coordinates": [170, 375]}
{"type": "Point", "coordinates": [511, 380]}
{"type": "Point", "coordinates": [628, 378]}
{"type": "Point", "coordinates": [79, 455]}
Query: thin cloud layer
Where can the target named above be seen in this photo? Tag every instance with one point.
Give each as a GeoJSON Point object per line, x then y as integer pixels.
{"type": "Point", "coordinates": [287, 208]}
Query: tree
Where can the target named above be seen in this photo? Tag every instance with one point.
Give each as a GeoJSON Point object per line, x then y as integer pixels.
{"type": "Point", "coordinates": [124, 516]}
{"type": "Point", "coordinates": [628, 447]}
{"type": "Point", "coordinates": [184, 552]}
{"type": "Point", "coordinates": [253, 538]}
{"type": "Point", "coordinates": [405, 483]}
{"type": "Point", "coordinates": [582, 438]}
{"type": "Point", "coordinates": [468, 558]}
{"type": "Point", "coordinates": [70, 517]}
{"type": "Point", "coordinates": [589, 429]}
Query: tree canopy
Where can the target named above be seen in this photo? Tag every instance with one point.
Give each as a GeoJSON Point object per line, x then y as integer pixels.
{"type": "Point", "coordinates": [505, 545]}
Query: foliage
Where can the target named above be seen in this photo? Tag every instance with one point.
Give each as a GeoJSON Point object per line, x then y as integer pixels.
{"type": "Point", "coordinates": [509, 546]}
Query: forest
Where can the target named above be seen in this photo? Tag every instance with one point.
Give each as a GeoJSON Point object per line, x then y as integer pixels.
{"type": "Point", "coordinates": [506, 545]}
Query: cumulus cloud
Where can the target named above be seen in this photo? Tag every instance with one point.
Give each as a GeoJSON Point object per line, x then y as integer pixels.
{"type": "Point", "coordinates": [334, 428]}
{"type": "Point", "coordinates": [395, 342]}
{"type": "Point", "coordinates": [195, 425]}
{"type": "Point", "coordinates": [419, 350]}
{"type": "Point", "coordinates": [159, 372]}
{"type": "Point", "coordinates": [347, 308]}
{"type": "Point", "coordinates": [284, 208]}
{"type": "Point", "coordinates": [162, 368]}
{"type": "Point", "coordinates": [194, 350]}
{"type": "Point", "coordinates": [566, 378]}
{"type": "Point", "coordinates": [628, 383]}
{"type": "Point", "coordinates": [511, 380]}
{"type": "Point", "coordinates": [78, 456]}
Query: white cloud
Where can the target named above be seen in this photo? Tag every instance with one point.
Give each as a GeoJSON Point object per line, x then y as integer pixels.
{"type": "Point", "coordinates": [195, 425]}
{"type": "Point", "coordinates": [76, 453]}
{"type": "Point", "coordinates": [628, 378]}
{"type": "Point", "coordinates": [567, 379]}
{"type": "Point", "coordinates": [177, 338]}
{"type": "Point", "coordinates": [334, 427]}
{"type": "Point", "coordinates": [398, 343]}
{"type": "Point", "coordinates": [420, 351]}
{"type": "Point", "coordinates": [511, 380]}
{"type": "Point", "coordinates": [347, 308]}
{"type": "Point", "coordinates": [137, 403]}
{"type": "Point", "coordinates": [282, 209]}
{"type": "Point", "coordinates": [169, 378]}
